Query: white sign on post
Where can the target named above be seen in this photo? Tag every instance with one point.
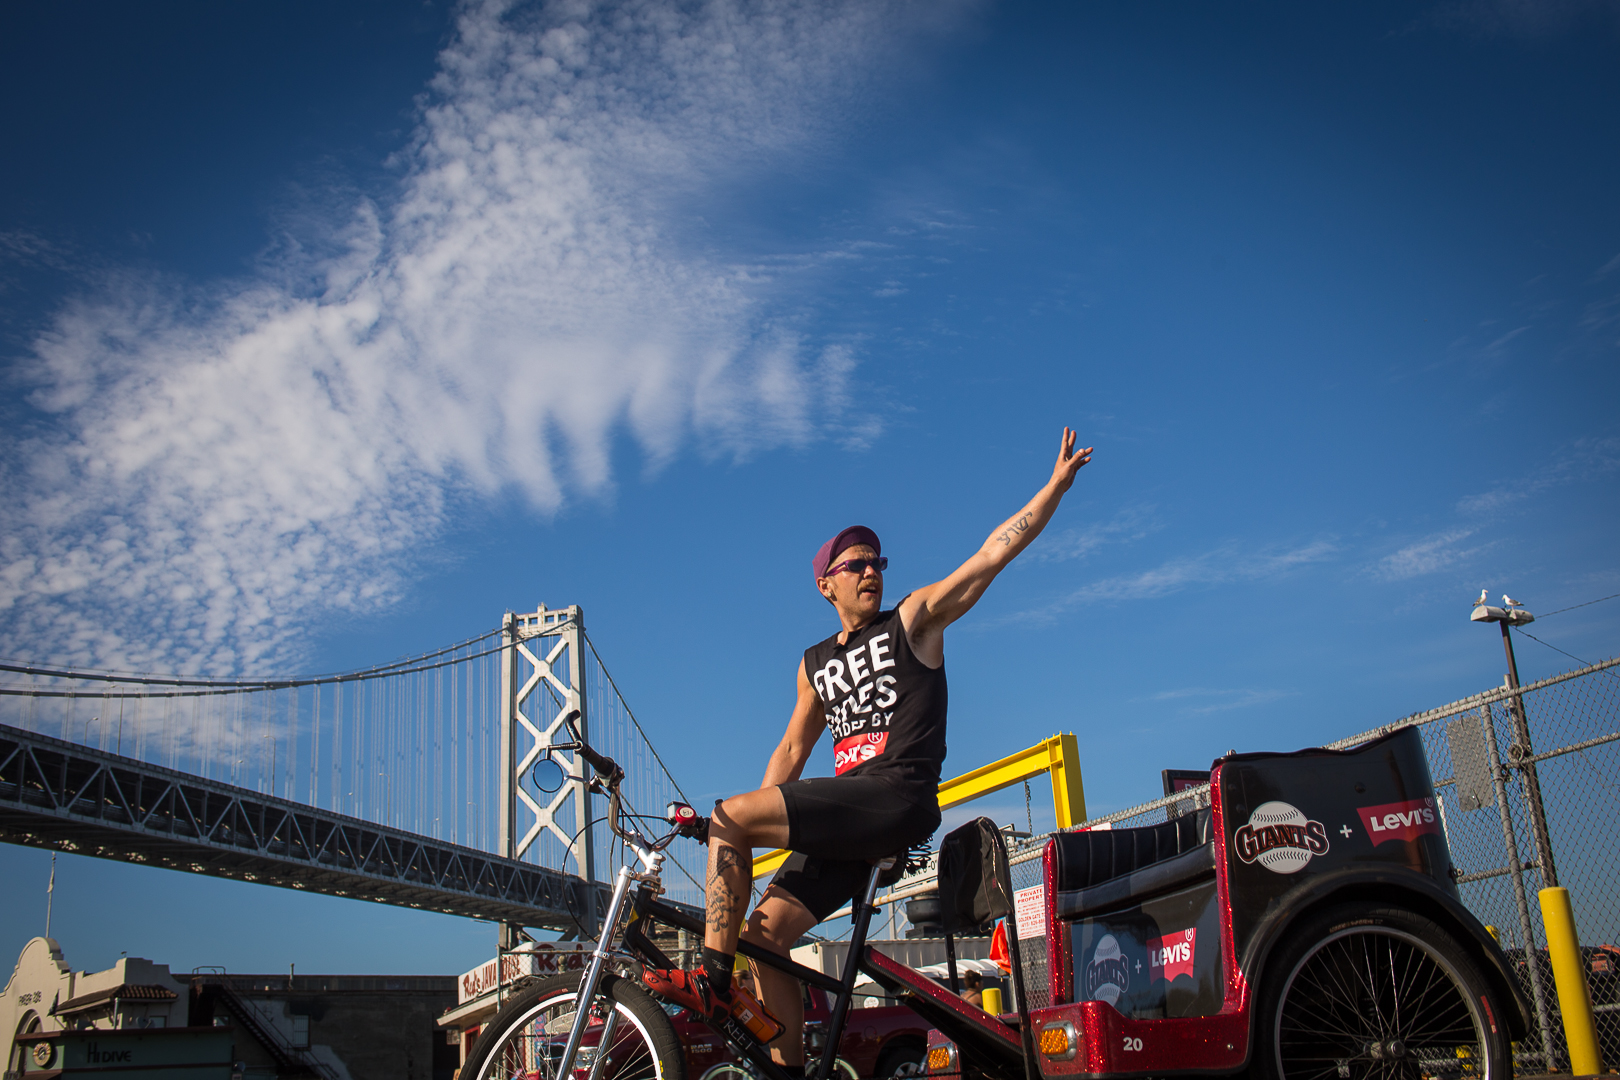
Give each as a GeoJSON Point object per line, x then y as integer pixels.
{"type": "Point", "coordinates": [1029, 908]}
{"type": "Point", "coordinates": [540, 959]}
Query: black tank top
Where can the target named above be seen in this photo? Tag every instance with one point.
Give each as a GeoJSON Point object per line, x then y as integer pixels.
{"type": "Point", "coordinates": [884, 707]}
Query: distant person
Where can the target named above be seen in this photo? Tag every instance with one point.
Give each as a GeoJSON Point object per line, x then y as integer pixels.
{"type": "Point", "coordinates": [970, 989]}
{"type": "Point", "coordinates": [879, 686]}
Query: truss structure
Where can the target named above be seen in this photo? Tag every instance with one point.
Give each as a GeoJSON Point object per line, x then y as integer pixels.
{"type": "Point", "coordinates": [72, 798]}
{"type": "Point", "coordinates": [542, 679]}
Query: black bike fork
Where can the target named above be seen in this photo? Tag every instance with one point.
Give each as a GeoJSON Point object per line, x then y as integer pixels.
{"type": "Point", "coordinates": [852, 968]}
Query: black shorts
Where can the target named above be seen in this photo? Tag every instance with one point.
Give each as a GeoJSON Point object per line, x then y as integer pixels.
{"type": "Point", "coordinates": [837, 827]}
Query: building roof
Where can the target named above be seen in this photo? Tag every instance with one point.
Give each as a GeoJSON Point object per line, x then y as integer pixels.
{"type": "Point", "coordinates": [121, 992]}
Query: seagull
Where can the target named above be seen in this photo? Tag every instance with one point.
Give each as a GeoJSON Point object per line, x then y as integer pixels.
{"type": "Point", "coordinates": [1510, 602]}
{"type": "Point", "coordinates": [1484, 596]}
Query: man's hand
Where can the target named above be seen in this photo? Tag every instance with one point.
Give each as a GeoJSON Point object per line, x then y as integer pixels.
{"type": "Point", "coordinates": [1069, 462]}
{"type": "Point", "coordinates": [929, 610]}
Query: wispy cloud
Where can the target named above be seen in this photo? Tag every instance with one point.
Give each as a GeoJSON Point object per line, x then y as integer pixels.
{"type": "Point", "coordinates": [1585, 460]}
{"type": "Point", "coordinates": [1522, 18]}
{"type": "Point", "coordinates": [1226, 564]}
{"type": "Point", "coordinates": [223, 463]}
{"type": "Point", "coordinates": [1426, 556]}
{"type": "Point", "coordinates": [1127, 526]}
{"type": "Point", "coordinates": [1201, 700]}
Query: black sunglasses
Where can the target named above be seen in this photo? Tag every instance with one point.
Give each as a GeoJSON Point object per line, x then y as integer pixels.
{"type": "Point", "coordinates": [858, 566]}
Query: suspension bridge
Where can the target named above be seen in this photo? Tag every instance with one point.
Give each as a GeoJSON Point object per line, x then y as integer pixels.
{"type": "Point", "coordinates": [432, 782]}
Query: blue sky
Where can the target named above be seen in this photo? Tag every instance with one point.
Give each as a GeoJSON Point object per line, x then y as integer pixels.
{"type": "Point", "coordinates": [330, 337]}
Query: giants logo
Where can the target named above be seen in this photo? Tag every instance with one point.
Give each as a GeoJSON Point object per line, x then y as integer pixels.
{"type": "Point", "coordinates": [1281, 838]}
{"type": "Point", "coordinates": [1171, 956]}
{"type": "Point", "coordinates": [1400, 820]}
{"type": "Point", "coordinates": [1108, 975]}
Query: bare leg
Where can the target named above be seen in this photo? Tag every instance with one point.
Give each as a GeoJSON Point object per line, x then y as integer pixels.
{"type": "Point", "coordinates": [740, 824]}
{"type": "Point", "coordinates": [778, 922]}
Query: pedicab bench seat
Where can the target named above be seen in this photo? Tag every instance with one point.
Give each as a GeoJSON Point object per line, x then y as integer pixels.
{"type": "Point", "coordinates": [1101, 869]}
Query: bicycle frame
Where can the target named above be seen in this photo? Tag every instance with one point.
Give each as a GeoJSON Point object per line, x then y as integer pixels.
{"type": "Point", "coordinates": [941, 1006]}
{"type": "Point", "coordinates": [649, 909]}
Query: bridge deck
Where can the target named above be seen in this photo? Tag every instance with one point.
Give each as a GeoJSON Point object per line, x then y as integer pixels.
{"type": "Point", "coordinates": [72, 798]}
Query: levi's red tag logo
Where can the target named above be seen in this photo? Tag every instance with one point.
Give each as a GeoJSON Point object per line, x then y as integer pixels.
{"type": "Point", "coordinates": [858, 748]}
{"type": "Point", "coordinates": [1400, 820]}
{"type": "Point", "coordinates": [1171, 956]}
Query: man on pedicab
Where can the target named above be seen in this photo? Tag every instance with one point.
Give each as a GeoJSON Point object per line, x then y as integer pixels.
{"type": "Point", "coordinates": [879, 686]}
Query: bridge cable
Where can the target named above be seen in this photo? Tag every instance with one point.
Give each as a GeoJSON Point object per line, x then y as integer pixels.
{"type": "Point", "coordinates": [636, 722]}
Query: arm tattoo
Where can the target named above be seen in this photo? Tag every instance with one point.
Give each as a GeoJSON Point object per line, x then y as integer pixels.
{"type": "Point", "coordinates": [1022, 524]}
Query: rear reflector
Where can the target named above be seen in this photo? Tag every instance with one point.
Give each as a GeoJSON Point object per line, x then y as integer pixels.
{"type": "Point", "coordinates": [1059, 1041]}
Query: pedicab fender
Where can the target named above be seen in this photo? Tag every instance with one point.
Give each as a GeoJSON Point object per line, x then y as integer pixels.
{"type": "Point", "coordinates": [1397, 887]}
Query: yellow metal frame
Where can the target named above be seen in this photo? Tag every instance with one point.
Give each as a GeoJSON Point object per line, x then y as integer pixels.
{"type": "Point", "coordinates": [1058, 757]}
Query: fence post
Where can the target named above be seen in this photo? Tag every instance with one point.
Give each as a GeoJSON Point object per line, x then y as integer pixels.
{"type": "Point", "coordinates": [1569, 973]}
{"type": "Point", "coordinates": [1524, 760]}
{"type": "Point", "coordinates": [1516, 873]}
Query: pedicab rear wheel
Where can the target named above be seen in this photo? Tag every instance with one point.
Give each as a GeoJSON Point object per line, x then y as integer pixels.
{"type": "Point", "coordinates": [1369, 992]}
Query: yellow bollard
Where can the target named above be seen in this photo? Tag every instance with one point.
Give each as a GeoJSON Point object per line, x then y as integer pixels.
{"type": "Point", "coordinates": [1569, 973]}
{"type": "Point", "coordinates": [992, 1000]}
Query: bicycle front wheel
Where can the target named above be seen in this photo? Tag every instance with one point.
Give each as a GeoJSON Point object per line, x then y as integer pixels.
{"type": "Point", "coordinates": [525, 1039]}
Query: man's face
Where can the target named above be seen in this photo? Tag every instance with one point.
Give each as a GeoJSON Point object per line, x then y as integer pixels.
{"type": "Point", "coordinates": [860, 595]}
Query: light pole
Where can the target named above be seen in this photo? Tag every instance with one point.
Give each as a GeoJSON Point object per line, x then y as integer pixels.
{"type": "Point", "coordinates": [1521, 754]}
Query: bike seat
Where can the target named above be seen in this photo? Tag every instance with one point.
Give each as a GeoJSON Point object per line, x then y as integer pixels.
{"type": "Point", "coordinates": [1106, 868]}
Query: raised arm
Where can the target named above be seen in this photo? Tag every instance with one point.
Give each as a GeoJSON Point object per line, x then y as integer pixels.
{"type": "Point", "coordinates": [804, 728]}
{"type": "Point", "coordinates": [928, 611]}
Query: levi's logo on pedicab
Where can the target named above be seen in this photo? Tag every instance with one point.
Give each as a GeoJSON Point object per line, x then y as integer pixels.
{"type": "Point", "coordinates": [1280, 838]}
{"type": "Point", "coordinates": [1171, 956]}
{"type": "Point", "coordinates": [1400, 820]}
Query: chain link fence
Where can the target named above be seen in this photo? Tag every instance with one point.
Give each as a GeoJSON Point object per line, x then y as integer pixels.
{"type": "Point", "coordinates": [1528, 782]}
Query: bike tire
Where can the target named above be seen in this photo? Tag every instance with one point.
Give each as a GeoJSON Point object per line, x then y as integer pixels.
{"type": "Point", "coordinates": [523, 1039]}
{"type": "Point", "coordinates": [742, 1070]}
{"type": "Point", "coordinates": [1364, 991]}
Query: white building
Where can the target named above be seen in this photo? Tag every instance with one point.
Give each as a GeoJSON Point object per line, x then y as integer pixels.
{"type": "Point", "coordinates": [45, 995]}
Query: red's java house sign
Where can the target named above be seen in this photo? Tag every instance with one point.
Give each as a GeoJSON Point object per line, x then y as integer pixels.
{"type": "Point", "coordinates": [546, 960]}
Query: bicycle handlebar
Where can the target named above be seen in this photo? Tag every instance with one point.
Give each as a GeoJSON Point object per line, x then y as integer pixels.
{"type": "Point", "coordinates": [605, 767]}
{"type": "Point", "coordinates": [609, 773]}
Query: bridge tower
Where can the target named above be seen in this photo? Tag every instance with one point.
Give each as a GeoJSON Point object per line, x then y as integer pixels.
{"type": "Point", "coordinates": [543, 675]}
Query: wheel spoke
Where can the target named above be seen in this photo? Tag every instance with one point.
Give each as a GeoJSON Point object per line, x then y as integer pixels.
{"type": "Point", "coordinates": [1378, 1004]}
{"type": "Point", "coordinates": [617, 1045]}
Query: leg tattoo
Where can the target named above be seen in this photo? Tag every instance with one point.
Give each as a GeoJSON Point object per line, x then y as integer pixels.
{"type": "Point", "coordinates": [727, 892]}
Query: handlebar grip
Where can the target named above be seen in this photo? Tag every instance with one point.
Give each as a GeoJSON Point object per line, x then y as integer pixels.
{"type": "Point", "coordinates": [605, 767]}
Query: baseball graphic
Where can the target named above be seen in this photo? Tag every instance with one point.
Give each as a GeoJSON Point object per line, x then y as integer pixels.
{"type": "Point", "coordinates": [1284, 858]}
{"type": "Point", "coordinates": [1107, 975]}
{"type": "Point", "coordinates": [1280, 838]}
